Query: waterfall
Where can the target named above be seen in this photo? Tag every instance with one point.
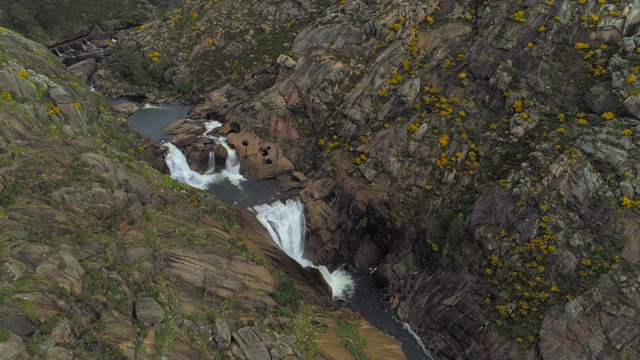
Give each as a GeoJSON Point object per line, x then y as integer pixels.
{"type": "Point", "coordinates": [211, 165]}
{"type": "Point", "coordinates": [232, 164]}
{"type": "Point", "coordinates": [210, 125]}
{"type": "Point", "coordinates": [285, 223]}
{"type": "Point", "coordinates": [180, 170]}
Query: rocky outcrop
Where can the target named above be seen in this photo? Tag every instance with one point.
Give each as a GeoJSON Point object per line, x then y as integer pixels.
{"type": "Point", "coordinates": [216, 104]}
{"type": "Point", "coordinates": [590, 324]}
{"type": "Point", "coordinates": [259, 159]}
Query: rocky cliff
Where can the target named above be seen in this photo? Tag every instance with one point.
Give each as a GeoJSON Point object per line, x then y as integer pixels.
{"type": "Point", "coordinates": [105, 258]}
{"type": "Point", "coordinates": [482, 155]}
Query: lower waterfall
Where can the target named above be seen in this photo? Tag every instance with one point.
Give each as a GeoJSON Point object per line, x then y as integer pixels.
{"type": "Point", "coordinates": [285, 222]}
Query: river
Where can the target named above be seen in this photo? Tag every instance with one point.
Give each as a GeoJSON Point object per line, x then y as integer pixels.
{"type": "Point", "coordinates": [282, 214]}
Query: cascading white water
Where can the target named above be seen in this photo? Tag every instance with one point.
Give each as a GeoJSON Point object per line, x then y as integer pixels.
{"type": "Point", "coordinates": [151, 106]}
{"type": "Point", "coordinates": [419, 341]}
{"type": "Point", "coordinates": [180, 170]}
{"type": "Point", "coordinates": [211, 165]}
{"type": "Point", "coordinates": [232, 164]}
{"type": "Point", "coordinates": [285, 223]}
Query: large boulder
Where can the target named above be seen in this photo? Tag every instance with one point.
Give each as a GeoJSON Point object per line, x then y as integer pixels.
{"type": "Point", "coordinates": [84, 69]}
{"type": "Point", "coordinates": [149, 311]}
{"type": "Point", "coordinates": [184, 126]}
{"type": "Point", "coordinates": [126, 109]}
{"type": "Point", "coordinates": [259, 159]}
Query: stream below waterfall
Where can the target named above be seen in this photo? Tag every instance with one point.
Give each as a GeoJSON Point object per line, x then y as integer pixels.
{"type": "Point", "coordinates": [282, 214]}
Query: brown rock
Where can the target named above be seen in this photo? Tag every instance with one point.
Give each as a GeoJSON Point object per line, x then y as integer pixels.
{"type": "Point", "coordinates": [183, 140]}
{"type": "Point", "coordinates": [217, 103]}
{"type": "Point", "coordinates": [126, 109]}
{"type": "Point", "coordinates": [149, 311]}
{"type": "Point", "coordinates": [258, 159]}
{"type": "Point", "coordinates": [367, 255]}
{"type": "Point", "coordinates": [220, 277]}
{"type": "Point", "coordinates": [183, 126]}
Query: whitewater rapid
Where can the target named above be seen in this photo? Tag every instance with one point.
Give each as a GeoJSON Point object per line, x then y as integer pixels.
{"type": "Point", "coordinates": [285, 223]}
{"type": "Point", "coordinates": [180, 170]}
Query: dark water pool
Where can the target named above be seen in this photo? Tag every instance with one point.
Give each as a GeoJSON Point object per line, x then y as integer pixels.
{"type": "Point", "coordinates": [368, 299]}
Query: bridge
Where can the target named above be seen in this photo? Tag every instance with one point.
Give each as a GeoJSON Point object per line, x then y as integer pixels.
{"type": "Point", "coordinates": [78, 49]}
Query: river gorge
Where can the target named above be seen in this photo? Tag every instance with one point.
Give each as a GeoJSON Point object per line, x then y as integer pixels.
{"type": "Point", "coordinates": [450, 178]}
{"type": "Point", "coordinates": [282, 215]}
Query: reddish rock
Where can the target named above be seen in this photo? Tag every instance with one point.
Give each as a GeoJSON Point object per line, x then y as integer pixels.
{"type": "Point", "coordinates": [259, 159]}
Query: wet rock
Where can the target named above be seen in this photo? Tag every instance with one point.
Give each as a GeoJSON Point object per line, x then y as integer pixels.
{"type": "Point", "coordinates": [126, 109]}
{"type": "Point", "coordinates": [183, 126]}
{"type": "Point", "coordinates": [184, 140]}
{"type": "Point", "coordinates": [221, 153]}
{"type": "Point", "coordinates": [368, 255]}
{"type": "Point", "coordinates": [149, 311]}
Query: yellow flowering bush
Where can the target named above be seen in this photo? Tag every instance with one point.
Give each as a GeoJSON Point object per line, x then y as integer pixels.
{"type": "Point", "coordinates": [23, 74]}
{"type": "Point", "coordinates": [7, 96]}
{"type": "Point", "coordinates": [608, 115]}
{"type": "Point", "coordinates": [518, 16]}
{"type": "Point", "coordinates": [627, 132]}
{"type": "Point", "coordinates": [444, 140]}
{"type": "Point", "coordinates": [395, 26]}
{"type": "Point", "coordinates": [77, 105]}
{"type": "Point", "coordinates": [395, 78]}
{"type": "Point", "coordinates": [581, 46]}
